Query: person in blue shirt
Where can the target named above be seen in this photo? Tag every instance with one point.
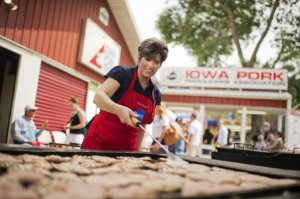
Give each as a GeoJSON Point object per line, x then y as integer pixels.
{"type": "Point", "coordinates": [23, 129]}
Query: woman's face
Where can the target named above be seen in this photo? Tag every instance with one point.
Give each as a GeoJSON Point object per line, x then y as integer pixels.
{"type": "Point", "coordinates": [148, 67]}
{"type": "Point", "coordinates": [72, 105]}
{"type": "Point", "coordinates": [30, 114]}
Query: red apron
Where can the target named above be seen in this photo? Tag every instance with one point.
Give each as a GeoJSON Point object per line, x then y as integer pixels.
{"type": "Point", "coordinates": [106, 132]}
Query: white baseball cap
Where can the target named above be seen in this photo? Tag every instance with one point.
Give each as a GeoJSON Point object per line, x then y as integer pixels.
{"type": "Point", "coordinates": [30, 107]}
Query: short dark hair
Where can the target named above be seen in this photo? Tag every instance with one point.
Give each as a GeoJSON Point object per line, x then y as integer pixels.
{"type": "Point", "coordinates": [279, 134]}
{"type": "Point", "coordinates": [151, 47]}
{"type": "Point", "coordinates": [193, 115]}
{"type": "Point", "coordinates": [74, 100]}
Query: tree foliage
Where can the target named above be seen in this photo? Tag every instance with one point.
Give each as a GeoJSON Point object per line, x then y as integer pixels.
{"type": "Point", "coordinates": [211, 29]}
{"type": "Point", "coordinates": [294, 83]}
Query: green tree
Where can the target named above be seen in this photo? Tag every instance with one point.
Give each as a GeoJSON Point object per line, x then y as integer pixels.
{"type": "Point", "coordinates": [211, 29]}
{"type": "Point", "coordinates": [294, 83]}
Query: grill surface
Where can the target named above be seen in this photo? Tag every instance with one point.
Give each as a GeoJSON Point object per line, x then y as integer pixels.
{"type": "Point", "coordinates": [281, 160]}
{"type": "Point", "coordinates": [278, 191]}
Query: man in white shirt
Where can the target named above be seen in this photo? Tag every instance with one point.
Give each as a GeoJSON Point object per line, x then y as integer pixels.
{"type": "Point", "coordinates": [223, 134]}
{"type": "Point", "coordinates": [23, 129]}
{"type": "Point", "coordinates": [194, 136]}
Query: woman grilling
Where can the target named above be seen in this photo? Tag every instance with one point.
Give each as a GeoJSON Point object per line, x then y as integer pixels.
{"type": "Point", "coordinates": [126, 90]}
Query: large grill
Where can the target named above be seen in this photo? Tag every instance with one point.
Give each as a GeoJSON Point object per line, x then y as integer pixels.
{"type": "Point", "coordinates": [279, 190]}
{"type": "Point", "coordinates": [243, 153]}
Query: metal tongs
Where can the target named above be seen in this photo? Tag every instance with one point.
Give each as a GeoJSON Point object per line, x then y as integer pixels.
{"type": "Point", "coordinates": [172, 159]}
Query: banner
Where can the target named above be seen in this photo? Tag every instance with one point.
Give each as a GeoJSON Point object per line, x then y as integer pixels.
{"type": "Point", "coordinates": [239, 78]}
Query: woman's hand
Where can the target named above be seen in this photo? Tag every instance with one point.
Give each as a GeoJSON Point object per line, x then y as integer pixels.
{"type": "Point", "coordinates": [67, 126]}
{"type": "Point", "coordinates": [124, 114]}
{"type": "Point", "coordinates": [45, 124]}
{"type": "Point", "coordinates": [31, 142]}
{"type": "Point", "coordinates": [155, 147]}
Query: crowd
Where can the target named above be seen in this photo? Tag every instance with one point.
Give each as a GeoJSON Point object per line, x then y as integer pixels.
{"type": "Point", "coordinates": [266, 141]}
{"type": "Point", "coordinates": [180, 137]}
{"type": "Point", "coordinates": [25, 132]}
{"type": "Point", "coordinates": [125, 91]}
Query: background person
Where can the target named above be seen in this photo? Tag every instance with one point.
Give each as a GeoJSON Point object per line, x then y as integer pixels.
{"type": "Point", "coordinates": [207, 139]}
{"type": "Point", "coordinates": [270, 139]}
{"type": "Point", "coordinates": [175, 139]}
{"type": "Point", "coordinates": [23, 129]}
{"type": "Point", "coordinates": [278, 143]}
{"type": "Point", "coordinates": [236, 137]}
{"type": "Point", "coordinates": [249, 138]}
{"type": "Point", "coordinates": [179, 146]}
{"type": "Point", "coordinates": [126, 90]}
{"type": "Point", "coordinates": [260, 144]}
{"type": "Point", "coordinates": [194, 136]}
{"type": "Point", "coordinates": [160, 127]}
{"type": "Point", "coordinates": [76, 125]}
{"type": "Point", "coordinates": [222, 134]}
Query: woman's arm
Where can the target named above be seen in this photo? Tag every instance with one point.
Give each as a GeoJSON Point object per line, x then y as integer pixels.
{"type": "Point", "coordinates": [162, 136]}
{"type": "Point", "coordinates": [103, 100]}
{"type": "Point", "coordinates": [189, 138]}
{"type": "Point", "coordinates": [273, 145]}
{"type": "Point", "coordinates": [183, 138]}
{"type": "Point", "coordinates": [140, 138]}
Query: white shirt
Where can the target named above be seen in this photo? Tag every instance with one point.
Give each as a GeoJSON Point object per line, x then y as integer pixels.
{"type": "Point", "coordinates": [171, 115]}
{"type": "Point", "coordinates": [158, 124]}
{"type": "Point", "coordinates": [223, 135]}
{"type": "Point", "coordinates": [195, 129]}
{"type": "Point", "coordinates": [23, 130]}
{"type": "Point", "coordinates": [147, 139]}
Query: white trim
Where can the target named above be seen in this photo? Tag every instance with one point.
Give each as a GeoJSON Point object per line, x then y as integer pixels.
{"type": "Point", "coordinates": [215, 107]}
{"type": "Point", "coordinates": [65, 68]}
{"type": "Point", "coordinates": [26, 81]}
{"type": "Point", "coordinates": [279, 122]}
{"type": "Point", "coordinates": [9, 44]}
{"type": "Point", "coordinates": [243, 124]}
{"type": "Point", "coordinates": [287, 120]}
{"type": "Point", "coordinates": [123, 15]}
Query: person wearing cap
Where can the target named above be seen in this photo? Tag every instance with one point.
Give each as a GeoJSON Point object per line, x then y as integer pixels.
{"type": "Point", "coordinates": [126, 89]}
{"type": "Point", "coordinates": [23, 129]}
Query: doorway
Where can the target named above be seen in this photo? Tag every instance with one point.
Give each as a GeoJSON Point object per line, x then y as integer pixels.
{"type": "Point", "coordinates": [9, 62]}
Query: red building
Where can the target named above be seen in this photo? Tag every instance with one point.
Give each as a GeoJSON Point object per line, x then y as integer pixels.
{"type": "Point", "coordinates": [51, 50]}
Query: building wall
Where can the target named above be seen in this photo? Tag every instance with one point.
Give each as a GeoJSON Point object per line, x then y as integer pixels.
{"type": "Point", "coordinates": [55, 89]}
{"type": "Point", "coordinates": [53, 28]}
{"type": "Point", "coordinates": [26, 81]}
{"type": "Point", "coordinates": [225, 101]}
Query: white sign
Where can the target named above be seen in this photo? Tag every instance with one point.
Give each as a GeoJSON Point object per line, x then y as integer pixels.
{"type": "Point", "coordinates": [104, 16]}
{"type": "Point", "coordinates": [266, 79]}
{"type": "Point", "coordinates": [98, 50]}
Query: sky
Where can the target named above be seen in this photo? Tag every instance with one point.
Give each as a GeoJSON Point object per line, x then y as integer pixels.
{"type": "Point", "coordinates": [145, 14]}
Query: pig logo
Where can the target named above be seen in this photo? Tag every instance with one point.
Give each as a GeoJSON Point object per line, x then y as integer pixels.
{"type": "Point", "coordinates": [98, 57]}
{"type": "Point", "coordinates": [172, 75]}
